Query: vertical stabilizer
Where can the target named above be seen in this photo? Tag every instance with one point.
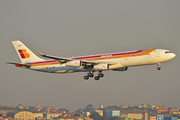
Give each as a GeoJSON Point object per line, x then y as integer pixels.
{"type": "Point", "coordinates": [25, 54]}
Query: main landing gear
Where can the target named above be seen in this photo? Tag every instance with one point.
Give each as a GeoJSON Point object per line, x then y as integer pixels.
{"type": "Point", "coordinates": [159, 66]}
{"type": "Point", "coordinates": [91, 74]}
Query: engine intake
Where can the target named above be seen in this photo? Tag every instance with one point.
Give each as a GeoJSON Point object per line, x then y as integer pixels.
{"type": "Point", "coordinates": [74, 63]}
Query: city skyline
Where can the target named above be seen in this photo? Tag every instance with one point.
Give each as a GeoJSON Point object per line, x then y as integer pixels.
{"type": "Point", "coordinates": [141, 106]}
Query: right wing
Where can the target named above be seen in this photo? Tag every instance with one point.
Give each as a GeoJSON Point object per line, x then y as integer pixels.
{"type": "Point", "coordinates": [61, 59]}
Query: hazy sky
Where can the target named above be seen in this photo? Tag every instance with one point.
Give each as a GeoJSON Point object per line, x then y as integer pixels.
{"type": "Point", "coordinates": [79, 27]}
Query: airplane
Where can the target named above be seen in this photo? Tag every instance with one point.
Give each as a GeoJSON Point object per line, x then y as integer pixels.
{"type": "Point", "coordinates": [119, 61]}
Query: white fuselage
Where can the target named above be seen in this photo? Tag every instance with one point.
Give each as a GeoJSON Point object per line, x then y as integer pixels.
{"type": "Point", "coordinates": [156, 56]}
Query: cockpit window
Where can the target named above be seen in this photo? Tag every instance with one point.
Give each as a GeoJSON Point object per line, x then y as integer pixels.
{"type": "Point", "coordinates": [167, 52]}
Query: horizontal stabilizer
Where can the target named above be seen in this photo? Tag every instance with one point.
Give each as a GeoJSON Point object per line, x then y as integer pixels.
{"type": "Point", "coordinates": [20, 64]}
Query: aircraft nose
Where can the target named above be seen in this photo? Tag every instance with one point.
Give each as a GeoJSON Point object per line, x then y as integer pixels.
{"type": "Point", "coordinates": [173, 55]}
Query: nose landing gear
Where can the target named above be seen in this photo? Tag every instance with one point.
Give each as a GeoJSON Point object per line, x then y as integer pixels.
{"type": "Point", "coordinates": [159, 66]}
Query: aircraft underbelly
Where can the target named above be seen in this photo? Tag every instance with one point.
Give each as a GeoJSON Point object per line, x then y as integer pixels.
{"type": "Point", "coordinates": [64, 69]}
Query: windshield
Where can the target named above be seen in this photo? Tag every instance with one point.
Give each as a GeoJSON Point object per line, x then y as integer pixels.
{"type": "Point", "coordinates": [167, 52]}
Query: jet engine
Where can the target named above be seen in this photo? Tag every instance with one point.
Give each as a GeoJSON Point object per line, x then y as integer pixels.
{"type": "Point", "coordinates": [121, 69]}
{"type": "Point", "coordinates": [103, 66]}
{"type": "Point", "coordinates": [74, 63]}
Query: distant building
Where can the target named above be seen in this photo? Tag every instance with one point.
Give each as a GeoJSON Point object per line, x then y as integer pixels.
{"type": "Point", "coordinates": [24, 115]}
{"type": "Point", "coordinates": [118, 106]}
{"type": "Point", "coordinates": [69, 118]}
{"type": "Point", "coordinates": [9, 118]}
{"type": "Point", "coordinates": [159, 117]}
{"type": "Point", "coordinates": [124, 106]}
{"type": "Point", "coordinates": [170, 118]}
{"type": "Point", "coordinates": [101, 106]}
{"type": "Point", "coordinates": [53, 115]}
{"type": "Point", "coordinates": [131, 105]}
{"type": "Point", "coordinates": [156, 117]}
{"type": "Point", "coordinates": [113, 113]}
{"type": "Point", "coordinates": [162, 109]}
{"type": "Point", "coordinates": [152, 117]}
{"type": "Point", "coordinates": [8, 105]}
{"type": "Point", "coordinates": [137, 116]}
{"type": "Point", "coordinates": [124, 115]}
{"type": "Point", "coordinates": [88, 118]}
{"type": "Point", "coordinates": [21, 107]}
{"type": "Point", "coordinates": [86, 114]}
{"type": "Point", "coordinates": [48, 110]}
{"type": "Point", "coordinates": [175, 112]}
{"type": "Point", "coordinates": [174, 109]}
{"type": "Point", "coordinates": [100, 112]}
{"type": "Point", "coordinates": [40, 116]}
{"type": "Point", "coordinates": [145, 115]}
{"type": "Point", "coordinates": [3, 111]}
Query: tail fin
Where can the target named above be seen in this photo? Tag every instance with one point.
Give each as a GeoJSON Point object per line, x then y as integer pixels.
{"type": "Point", "coordinates": [25, 54]}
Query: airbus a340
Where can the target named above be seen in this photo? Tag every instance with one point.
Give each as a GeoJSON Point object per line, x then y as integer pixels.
{"type": "Point", "coordinates": [119, 61]}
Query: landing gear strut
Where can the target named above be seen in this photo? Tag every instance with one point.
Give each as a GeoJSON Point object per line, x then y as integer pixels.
{"type": "Point", "coordinates": [91, 74]}
{"type": "Point", "coordinates": [159, 66]}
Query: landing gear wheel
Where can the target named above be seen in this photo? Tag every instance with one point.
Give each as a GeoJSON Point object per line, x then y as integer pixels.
{"type": "Point", "coordinates": [91, 75]}
{"type": "Point", "coordinates": [158, 68]}
{"type": "Point", "coordinates": [96, 77]}
{"type": "Point", "coordinates": [86, 77]}
{"type": "Point", "coordinates": [101, 75]}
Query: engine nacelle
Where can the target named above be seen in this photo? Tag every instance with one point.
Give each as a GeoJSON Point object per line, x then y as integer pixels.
{"type": "Point", "coordinates": [74, 63]}
{"type": "Point", "coordinates": [103, 66]}
{"type": "Point", "coordinates": [121, 69]}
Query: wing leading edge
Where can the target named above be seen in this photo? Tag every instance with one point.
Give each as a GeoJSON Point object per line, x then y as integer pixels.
{"type": "Point", "coordinates": [62, 59]}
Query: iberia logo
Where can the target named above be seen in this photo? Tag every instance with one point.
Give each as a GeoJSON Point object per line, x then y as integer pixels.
{"type": "Point", "coordinates": [23, 53]}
